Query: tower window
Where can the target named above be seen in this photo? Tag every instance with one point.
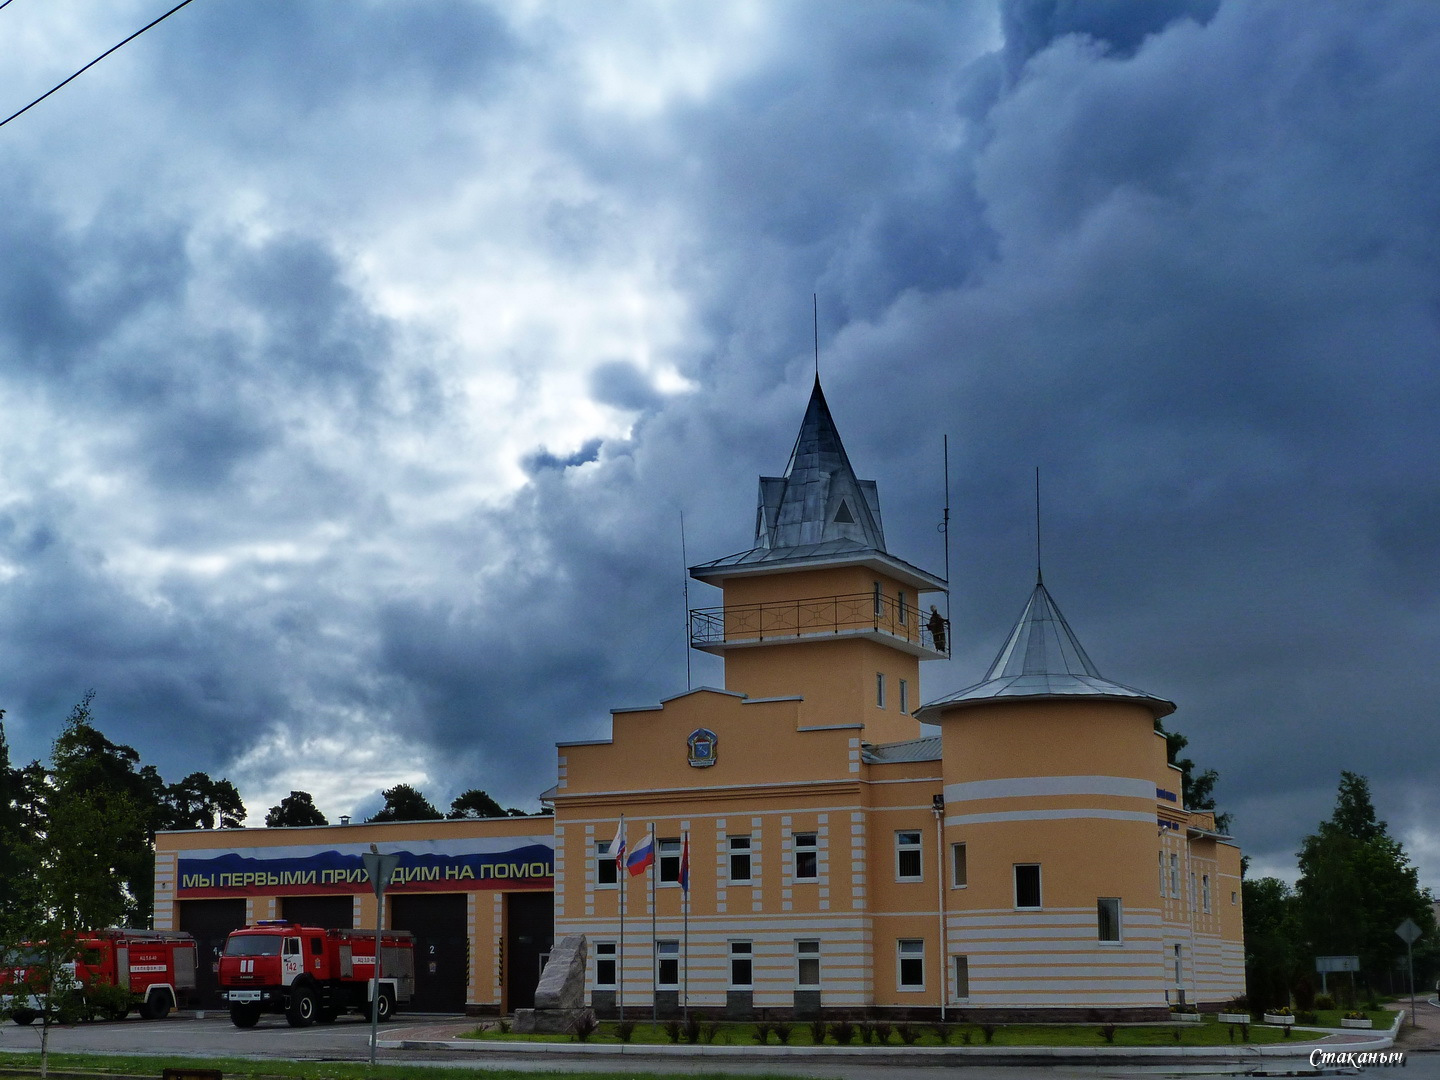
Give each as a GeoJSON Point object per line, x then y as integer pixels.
{"type": "Point", "coordinates": [904, 696]}
{"type": "Point", "coordinates": [879, 600]}
{"type": "Point", "coordinates": [1108, 918]}
{"type": "Point", "coordinates": [879, 689]}
{"type": "Point", "coordinates": [843, 515]}
{"type": "Point", "coordinates": [1027, 885]}
{"type": "Point", "coordinates": [908, 864]}
{"type": "Point", "coordinates": [904, 616]}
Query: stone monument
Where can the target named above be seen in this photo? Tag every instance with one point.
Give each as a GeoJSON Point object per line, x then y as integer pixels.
{"type": "Point", "coordinates": [560, 996]}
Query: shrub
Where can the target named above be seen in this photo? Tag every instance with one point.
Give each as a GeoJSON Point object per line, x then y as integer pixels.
{"type": "Point", "coordinates": [817, 1031]}
{"type": "Point", "coordinates": [503, 1026]}
{"type": "Point", "coordinates": [867, 1032]}
{"type": "Point", "coordinates": [761, 1033]}
{"type": "Point", "coordinates": [672, 1029]}
{"type": "Point", "coordinates": [882, 1031]}
{"type": "Point", "coordinates": [843, 1031]}
{"type": "Point", "coordinates": [584, 1026]}
{"type": "Point", "coordinates": [907, 1034]}
{"type": "Point", "coordinates": [1354, 1015]}
{"type": "Point", "coordinates": [942, 1033]}
{"type": "Point", "coordinates": [988, 1030]}
{"type": "Point", "coordinates": [1107, 1033]}
{"type": "Point", "coordinates": [966, 1035]}
{"type": "Point", "coordinates": [709, 1030]}
{"type": "Point", "coordinates": [624, 1030]}
{"type": "Point", "coordinates": [107, 1000]}
{"type": "Point", "coordinates": [1304, 1016]}
{"type": "Point", "coordinates": [782, 1032]}
{"type": "Point", "coordinates": [692, 1030]}
{"type": "Point", "coordinates": [1324, 1001]}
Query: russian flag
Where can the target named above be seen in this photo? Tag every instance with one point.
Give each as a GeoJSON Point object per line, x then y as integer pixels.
{"type": "Point", "coordinates": [685, 864]}
{"type": "Point", "coordinates": [642, 856]}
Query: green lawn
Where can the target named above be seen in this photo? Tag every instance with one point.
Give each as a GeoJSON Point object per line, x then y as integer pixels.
{"type": "Point", "coordinates": [1209, 1033]}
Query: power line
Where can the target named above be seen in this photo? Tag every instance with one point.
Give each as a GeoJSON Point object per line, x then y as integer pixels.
{"type": "Point", "coordinates": [92, 63]}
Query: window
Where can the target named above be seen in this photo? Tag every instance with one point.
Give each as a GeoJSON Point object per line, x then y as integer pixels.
{"type": "Point", "coordinates": [605, 869]}
{"type": "Point", "coordinates": [904, 616]}
{"type": "Point", "coordinates": [879, 600]}
{"type": "Point", "coordinates": [605, 963]}
{"type": "Point", "coordinates": [669, 862]}
{"type": "Point", "coordinates": [807, 964]}
{"type": "Point", "coordinates": [1234, 897]}
{"type": "Point", "coordinates": [962, 976]}
{"type": "Point", "coordinates": [1179, 967]}
{"type": "Point", "coordinates": [1205, 891]}
{"type": "Point", "coordinates": [879, 689]}
{"type": "Point", "coordinates": [1192, 889]}
{"type": "Point", "coordinates": [317, 946]}
{"type": "Point", "coordinates": [1162, 873]}
{"type": "Point", "coordinates": [911, 969]}
{"type": "Point", "coordinates": [739, 860]}
{"type": "Point", "coordinates": [904, 696]}
{"type": "Point", "coordinates": [907, 856]}
{"type": "Point", "coordinates": [1108, 915]}
{"type": "Point", "coordinates": [667, 965]}
{"type": "Point", "coordinates": [1027, 885]}
{"type": "Point", "coordinates": [740, 965]}
{"type": "Point", "coordinates": [807, 856]}
{"type": "Point", "coordinates": [292, 946]}
{"type": "Point", "coordinates": [959, 871]}
{"type": "Point", "coordinates": [1175, 876]}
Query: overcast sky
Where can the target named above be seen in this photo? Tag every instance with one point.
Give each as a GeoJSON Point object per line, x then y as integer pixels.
{"type": "Point", "coordinates": [358, 359]}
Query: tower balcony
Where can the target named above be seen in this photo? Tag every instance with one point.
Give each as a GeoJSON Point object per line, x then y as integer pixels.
{"type": "Point", "coordinates": [864, 615]}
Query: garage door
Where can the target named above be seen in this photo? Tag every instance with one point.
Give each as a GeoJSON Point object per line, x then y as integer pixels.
{"type": "Point", "coordinates": [529, 936]}
{"type": "Point", "coordinates": [329, 912]}
{"type": "Point", "coordinates": [442, 948]}
{"type": "Point", "coordinates": [209, 922]}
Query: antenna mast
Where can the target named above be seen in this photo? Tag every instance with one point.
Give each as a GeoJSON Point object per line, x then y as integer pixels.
{"type": "Point", "coordinates": [945, 521]}
{"type": "Point", "coordinates": [1039, 577]}
{"type": "Point", "coordinates": [685, 579]}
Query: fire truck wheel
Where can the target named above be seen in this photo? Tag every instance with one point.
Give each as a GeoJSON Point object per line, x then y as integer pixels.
{"type": "Point", "coordinates": [24, 1016]}
{"type": "Point", "coordinates": [156, 1006]}
{"type": "Point", "coordinates": [387, 1003]}
{"type": "Point", "coordinates": [303, 1007]}
{"type": "Point", "coordinates": [244, 1016]}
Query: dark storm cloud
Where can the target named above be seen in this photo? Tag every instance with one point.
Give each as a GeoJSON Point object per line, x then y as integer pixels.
{"type": "Point", "coordinates": [1182, 256]}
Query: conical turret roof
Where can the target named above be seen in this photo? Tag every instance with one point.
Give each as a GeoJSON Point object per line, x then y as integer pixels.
{"type": "Point", "coordinates": [1042, 658]}
{"type": "Point", "coordinates": [818, 513]}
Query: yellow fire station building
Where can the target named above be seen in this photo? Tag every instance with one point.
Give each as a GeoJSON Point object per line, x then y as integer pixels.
{"type": "Point", "coordinates": [814, 848]}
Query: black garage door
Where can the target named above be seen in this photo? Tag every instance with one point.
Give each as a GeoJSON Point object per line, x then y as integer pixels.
{"type": "Point", "coordinates": [442, 948]}
{"type": "Point", "coordinates": [327, 912]}
{"type": "Point", "coordinates": [209, 922]}
{"type": "Point", "coordinates": [529, 935]}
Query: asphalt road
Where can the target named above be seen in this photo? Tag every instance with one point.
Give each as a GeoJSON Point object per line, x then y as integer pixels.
{"type": "Point", "coordinates": [348, 1039]}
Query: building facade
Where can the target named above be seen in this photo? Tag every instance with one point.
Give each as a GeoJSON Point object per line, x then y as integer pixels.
{"type": "Point", "coordinates": [814, 847]}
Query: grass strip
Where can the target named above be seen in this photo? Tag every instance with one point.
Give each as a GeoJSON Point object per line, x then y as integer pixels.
{"type": "Point", "coordinates": [106, 1065]}
{"type": "Point", "coordinates": [1208, 1033]}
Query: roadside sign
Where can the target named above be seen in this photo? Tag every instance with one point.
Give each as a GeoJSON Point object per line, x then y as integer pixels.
{"type": "Point", "coordinates": [380, 867]}
{"type": "Point", "coordinates": [1408, 931]}
{"type": "Point", "coordinates": [1337, 963]}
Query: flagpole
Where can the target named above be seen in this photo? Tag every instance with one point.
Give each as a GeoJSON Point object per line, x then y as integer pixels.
{"type": "Point", "coordinates": [654, 965]}
{"type": "Point", "coordinates": [621, 878]}
{"type": "Point", "coordinates": [685, 916]}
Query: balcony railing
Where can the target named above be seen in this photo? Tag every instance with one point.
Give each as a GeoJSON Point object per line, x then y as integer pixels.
{"type": "Point", "coordinates": [853, 613]}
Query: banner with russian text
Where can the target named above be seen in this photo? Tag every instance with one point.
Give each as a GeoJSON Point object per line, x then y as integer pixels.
{"type": "Point", "coordinates": [506, 862]}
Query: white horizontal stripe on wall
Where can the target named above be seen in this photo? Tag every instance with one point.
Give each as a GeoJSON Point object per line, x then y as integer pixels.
{"type": "Point", "coordinates": [1049, 815]}
{"type": "Point", "coordinates": [1026, 786]}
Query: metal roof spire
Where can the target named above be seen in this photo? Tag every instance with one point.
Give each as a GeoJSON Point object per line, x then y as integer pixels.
{"type": "Point", "coordinates": [1042, 658]}
{"type": "Point", "coordinates": [819, 498]}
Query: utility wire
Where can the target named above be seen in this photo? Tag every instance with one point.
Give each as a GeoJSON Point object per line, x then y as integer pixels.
{"type": "Point", "coordinates": [92, 63]}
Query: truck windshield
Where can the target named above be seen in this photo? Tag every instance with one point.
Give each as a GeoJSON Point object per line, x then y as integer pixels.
{"type": "Point", "coordinates": [253, 945]}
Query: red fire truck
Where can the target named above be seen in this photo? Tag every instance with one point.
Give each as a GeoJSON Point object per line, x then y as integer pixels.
{"type": "Point", "coordinates": [310, 974]}
{"type": "Point", "coordinates": [157, 967]}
